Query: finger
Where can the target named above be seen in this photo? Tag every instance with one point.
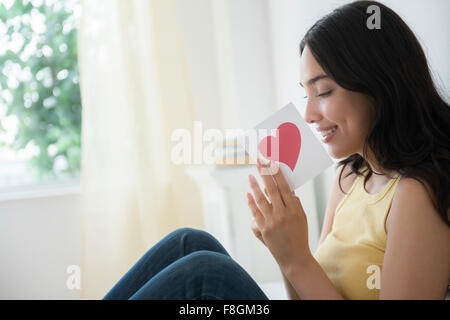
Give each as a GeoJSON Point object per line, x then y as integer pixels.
{"type": "Point", "coordinates": [265, 173]}
{"type": "Point", "coordinates": [259, 197]}
{"type": "Point", "coordinates": [283, 185]}
{"type": "Point", "coordinates": [297, 200]}
{"type": "Point", "coordinates": [299, 203]}
{"type": "Point", "coordinates": [257, 214]}
{"type": "Point", "coordinates": [265, 191]}
{"type": "Point", "coordinates": [269, 182]}
{"type": "Point", "coordinates": [256, 231]}
{"type": "Point", "coordinates": [255, 228]}
{"type": "Point", "coordinates": [295, 196]}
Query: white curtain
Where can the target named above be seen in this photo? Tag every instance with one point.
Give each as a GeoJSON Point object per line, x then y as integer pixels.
{"type": "Point", "coordinates": [135, 92]}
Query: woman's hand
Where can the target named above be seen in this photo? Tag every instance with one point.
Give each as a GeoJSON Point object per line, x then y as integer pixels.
{"type": "Point", "coordinates": [254, 226]}
{"type": "Point", "coordinates": [280, 221]}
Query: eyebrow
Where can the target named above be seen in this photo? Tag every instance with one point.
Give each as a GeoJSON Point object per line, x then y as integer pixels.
{"type": "Point", "coordinates": [315, 79]}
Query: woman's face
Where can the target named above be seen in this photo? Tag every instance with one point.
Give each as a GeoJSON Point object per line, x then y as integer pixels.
{"type": "Point", "coordinates": [331, 106]}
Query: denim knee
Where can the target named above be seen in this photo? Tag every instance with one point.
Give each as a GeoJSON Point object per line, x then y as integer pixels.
{"type": "Point", "coordinates": [184, 231]}
{"type": "Point", "coordinates": [201, 239]}
{"type": "Point", "coordinates": [205, 262]}
{"type": "Point", "coordinates": [219, 276]}
{"type": "Point", "coordinates": [202, 274]}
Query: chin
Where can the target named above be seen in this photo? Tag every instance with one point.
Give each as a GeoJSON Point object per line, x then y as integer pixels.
{"type": "Point", "coordinates": [337, 153]}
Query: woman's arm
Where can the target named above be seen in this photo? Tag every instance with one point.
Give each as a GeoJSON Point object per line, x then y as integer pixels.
{"type": "Point", "coordinates": [292, 294]}
{"type": "Point", "coordinates": [336, 196]}
{"type": "Point", "coordinates": [282, 225]}
{"type": "Point", "coordinates": [310, 282]}
{"type": "Point", "coordinates": [417, 259]}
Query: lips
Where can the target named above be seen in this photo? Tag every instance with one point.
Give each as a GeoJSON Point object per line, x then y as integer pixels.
{"type": "Point", "coordinates": [327, 136]}
{"type": "Point", "coordinates": [327, 131]}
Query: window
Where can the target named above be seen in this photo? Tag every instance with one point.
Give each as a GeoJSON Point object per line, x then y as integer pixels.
{"type": "Point", "coordinates": [40, 103]}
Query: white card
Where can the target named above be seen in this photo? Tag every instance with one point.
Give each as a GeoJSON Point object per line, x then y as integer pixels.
{"type": "Point", "coordinates": [286, 138]}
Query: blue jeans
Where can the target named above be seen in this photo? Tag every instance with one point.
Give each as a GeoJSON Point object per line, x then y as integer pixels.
{"type": "Point", "coordinates": [187, 264]}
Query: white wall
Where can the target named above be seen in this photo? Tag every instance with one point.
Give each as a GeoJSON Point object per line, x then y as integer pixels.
{"type": "Point", "coordinates": [227, 46]}
{"type": "Point", "coordinates": [40, 236]}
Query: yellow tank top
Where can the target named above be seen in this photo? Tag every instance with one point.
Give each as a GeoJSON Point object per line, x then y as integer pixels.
{"type": "Point", "coordinates": [352, 254]}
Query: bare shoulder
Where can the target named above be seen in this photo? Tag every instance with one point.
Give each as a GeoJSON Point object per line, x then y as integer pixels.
{"type": "Point", "coordinates": [412, 203]}
{"type": "Point", "coordinates": [417, 261]}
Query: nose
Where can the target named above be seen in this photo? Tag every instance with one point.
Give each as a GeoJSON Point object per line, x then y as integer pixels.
{"type": "Point", "coordinates": [311, 113]}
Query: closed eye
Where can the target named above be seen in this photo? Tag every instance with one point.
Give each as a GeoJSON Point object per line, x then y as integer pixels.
{"type": "Point", "coordinates": [326, 94]}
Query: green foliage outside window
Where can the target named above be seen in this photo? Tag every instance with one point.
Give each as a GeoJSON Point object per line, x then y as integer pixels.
{"type": "Point", "coordinates": [39, 81]}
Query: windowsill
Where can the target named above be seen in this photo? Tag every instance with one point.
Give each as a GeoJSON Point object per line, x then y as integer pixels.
{"type": "Point", "coordinates": [43, 190]}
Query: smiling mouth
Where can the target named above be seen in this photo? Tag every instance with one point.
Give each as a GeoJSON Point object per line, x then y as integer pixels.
{"type": "Point", "coordinates": [326, 133]}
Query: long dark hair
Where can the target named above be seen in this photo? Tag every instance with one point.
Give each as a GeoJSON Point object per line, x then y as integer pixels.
{"type": "Point", "coordinates": [410, 133]}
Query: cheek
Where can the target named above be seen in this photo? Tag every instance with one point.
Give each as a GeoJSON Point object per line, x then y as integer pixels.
{"type": "Point", "coordinates": [360, 114]}
{"type": "Point", "coordinates": [350, 111]}
{"type": "Point", "coordinates": [334, 110]}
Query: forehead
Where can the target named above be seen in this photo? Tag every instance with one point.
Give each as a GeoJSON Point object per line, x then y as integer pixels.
{"type": "Point", "coordinates": [309, 67]}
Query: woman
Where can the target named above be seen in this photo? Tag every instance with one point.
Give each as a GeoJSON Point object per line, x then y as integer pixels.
{"type": "Point", "coordinates": [370, 93]}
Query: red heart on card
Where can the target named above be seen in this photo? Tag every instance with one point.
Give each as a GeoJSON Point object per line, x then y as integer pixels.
{"type": "Point", "coordinates": [287, 142]}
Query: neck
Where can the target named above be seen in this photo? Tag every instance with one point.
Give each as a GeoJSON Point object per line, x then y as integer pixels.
{"type": "Point", "coordinates": [378, 171]}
